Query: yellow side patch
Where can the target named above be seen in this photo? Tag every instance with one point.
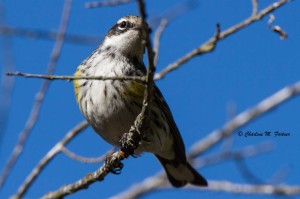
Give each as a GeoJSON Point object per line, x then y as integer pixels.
{"type": "Point", "coordinates": [135, 89]}
{"type": "Point", "coordinates": [76, 83]}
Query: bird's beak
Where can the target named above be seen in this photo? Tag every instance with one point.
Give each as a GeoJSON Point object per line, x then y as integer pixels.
{"type": "Point", "coordinates": [140, 28]}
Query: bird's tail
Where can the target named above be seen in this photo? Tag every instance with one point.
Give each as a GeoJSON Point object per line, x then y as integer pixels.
{"type": "Point", "coordinates": [181, 172]}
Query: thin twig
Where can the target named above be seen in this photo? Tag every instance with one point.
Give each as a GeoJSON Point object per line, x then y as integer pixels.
{"type": "Point", "coordinates": [48, 157]}
{"type": "Point", "coordinates": [247, 173]}
{"type": "Point", "coordinates": [149, 184]}
{"type": "Point", "coordinates": [250, 176]}
{"type": "Point", "coordinates": [228, 141]}
{"type": "Point", "coordinates": [164, 20]}
{"type": "Point", "coordinates": [140, 122]}
{"type": "Point", "coordinates": [82, 159]}
{"type": "Point", "coordinates": [97, 4]}
{"type": "Point", "coordinates": [47, 35]}
{"type": "Point", "coordinates": [242, 153]}
{"type": "Point", "coordinates": [83, 183]}
{"type": "Point", "coordinates": [209, 45]}
{"type": "Point", "coordinates": [32, 119]}
{"type": "Point", "coordinates": [254, 7]}
{"type": "Point", "coordinates": [280, 175]}
{"type": "Point", "coordinates": [276, 29]}
{"type": "Point", "coordinates": [237, 188]}
{"type": "Point", "coordinates": [69, 78]}
{"type": "Point", "coordinates": [163, 24]}
{"type": "Point", "coordinates": [173, 12]}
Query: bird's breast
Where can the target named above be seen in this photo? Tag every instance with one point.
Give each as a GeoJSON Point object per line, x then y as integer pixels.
{"type": "Point", "coordinates": [109, 106]}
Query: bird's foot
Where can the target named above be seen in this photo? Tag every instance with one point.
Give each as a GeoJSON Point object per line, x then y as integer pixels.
{"type": "Point", "coordinates": [113, 163]}
{"type": "Point", "coordinates": [130, 141]}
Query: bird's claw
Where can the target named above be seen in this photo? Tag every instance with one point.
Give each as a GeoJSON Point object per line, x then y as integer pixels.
{"type": "Point", "coordinates": [113, 164]}
{"type": "Point", "coordinates": [129, 142]}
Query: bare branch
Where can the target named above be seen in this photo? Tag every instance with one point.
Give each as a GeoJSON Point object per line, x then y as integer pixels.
{"type": "Point", "coordinates": [149, 184]}
{"type": "Point", "coordinates": [228, 141]}
{"type": "Point", "coordinates": [96, 4]}
{"type": "Point", "coordinates": [276, 28]}
{"type": "Point", "coordinates": [225, 186]}
{"type": "Point", "coordinates": [210, 45]}
{"type": "Point", "coordinates": [140, 122]}
{"type": "Point", "coordinates": [163, 24]}
{"type": "Point", "coordinates": [280, 175]}
{"type": "Point", "coordinates": [69, 78]}
{"type": "Point", "coordinates": [48, 157]}
{"type": "Point", "coordinates": [245, 152]}
{"type": "Point", "coordinates": [86, 181]}
{"type": "Point", "coordinates": [151, 54]}
{"type": "Point", "coordinates": [246, 172]}
{"type": "Point", "coordinates": [254, 7]}
{"type": "Point", "coordinates": [165, 19]}
{"type": "Point", "coordinates": [250, 177]}
{"type": "Point", "coordinates": [82, 159]}
{"type": "Point", "coordinates": [32, 119]}
{"type": "Point", "coordinates": [47, 35]}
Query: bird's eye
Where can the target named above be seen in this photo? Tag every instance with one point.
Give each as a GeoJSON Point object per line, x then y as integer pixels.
{"type": "Point", "coordinates": [122, 25]}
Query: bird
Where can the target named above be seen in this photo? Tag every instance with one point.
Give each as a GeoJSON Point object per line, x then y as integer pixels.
{"type": "Point", "coordinates": [111, 106]}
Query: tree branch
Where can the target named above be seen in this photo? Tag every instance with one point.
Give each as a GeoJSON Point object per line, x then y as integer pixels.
{"type": "Point", "coordinates": [229, 187]}
{"type": "Point", "coordinates": [242, 153]}
{"type": "Point", "coordinates": [69, 78]}
{"type": "Point", "coordinates": [210, 45]}
{"type": "Point", "coordinates": [47, 35]}
{"type": "Point", "coordinates": [163, 24]}
{"type": "Point", "coordinates": [86, 181]}
{"type": "Point", "coordinates": [96, 4]}
{"type": "Point", "coordinates": [276, 29]}
{"type": "Point", "coordinates": [254, 7]}
{"type": "Point", "coordinates": [48, 157]}
{"type": "Point", "coordinates": [82, 159]}
{"type": "Point", "coordinates": [140, 123]}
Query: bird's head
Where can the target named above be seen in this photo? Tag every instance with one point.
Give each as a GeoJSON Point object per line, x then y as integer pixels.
{"type": "Point", "coordinates": [126, 36]}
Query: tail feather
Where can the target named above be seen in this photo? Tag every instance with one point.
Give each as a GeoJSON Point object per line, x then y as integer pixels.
{"type": "Point", "coordinates": [181, 173]}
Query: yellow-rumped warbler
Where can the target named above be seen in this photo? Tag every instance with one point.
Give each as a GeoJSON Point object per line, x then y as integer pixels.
{"type": "Point", "coordinates": [111, 106]}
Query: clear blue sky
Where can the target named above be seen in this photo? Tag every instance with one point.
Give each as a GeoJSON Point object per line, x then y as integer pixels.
{"type": "Point", "coordinates": [244, 69]}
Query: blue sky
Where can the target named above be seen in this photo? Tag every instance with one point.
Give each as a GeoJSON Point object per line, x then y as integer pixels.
{"type": "Point", "coordinates": [244, 69]}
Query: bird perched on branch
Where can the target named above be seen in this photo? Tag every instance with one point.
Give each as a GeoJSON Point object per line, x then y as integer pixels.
{"type": "Point", "coordinates": [111, 106]}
